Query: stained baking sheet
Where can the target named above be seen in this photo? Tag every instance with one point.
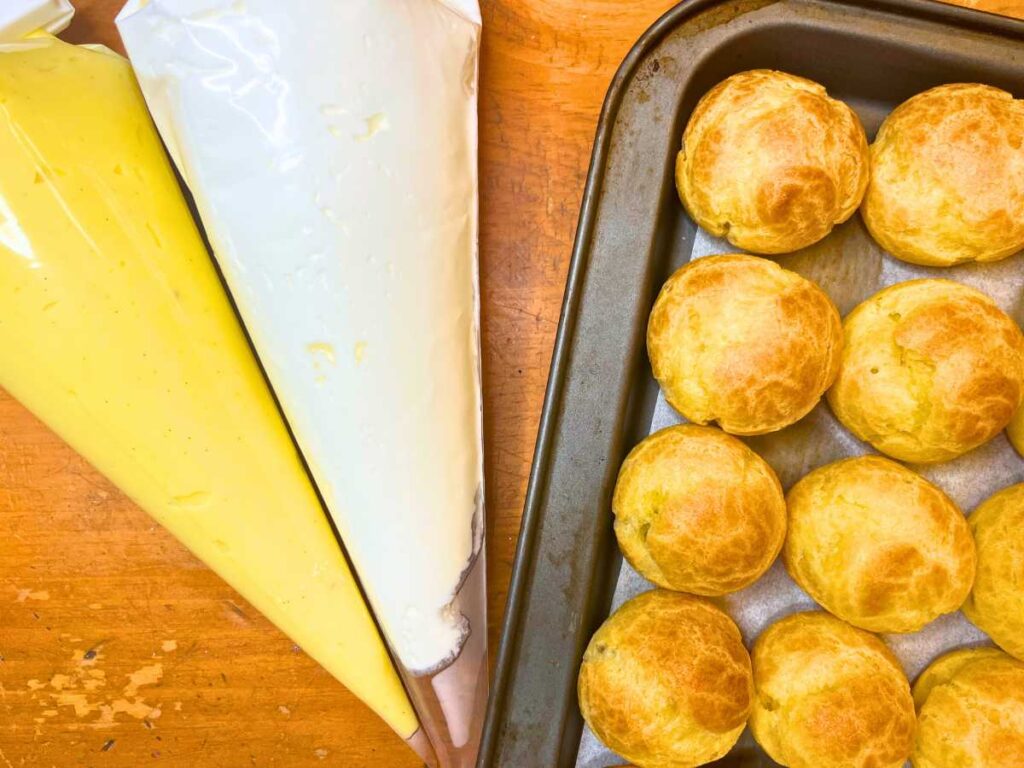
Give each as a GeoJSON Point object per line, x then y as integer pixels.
{"type": "Point", "coordinates": [850, 267]}
{"type": "Point", "coordinates": [633, 233]}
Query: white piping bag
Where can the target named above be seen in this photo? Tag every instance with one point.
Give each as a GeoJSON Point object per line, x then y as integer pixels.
{"type": "Point", "coordinates": [331, 147]}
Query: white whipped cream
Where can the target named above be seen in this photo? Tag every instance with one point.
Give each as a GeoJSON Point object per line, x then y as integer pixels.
{"type": "Point", "coordinates": [331, 147]}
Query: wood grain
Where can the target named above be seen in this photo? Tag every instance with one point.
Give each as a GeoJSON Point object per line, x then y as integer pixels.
{"type": "Point", "coordinates": [104, 617]}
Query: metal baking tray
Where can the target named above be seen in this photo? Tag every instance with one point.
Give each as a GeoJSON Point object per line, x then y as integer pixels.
{"type": "Point", "coordinates": [632, 234]}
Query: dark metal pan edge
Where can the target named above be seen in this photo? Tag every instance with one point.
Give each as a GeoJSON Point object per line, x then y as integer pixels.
{"type": "Point", "coordinates": [526, 544]}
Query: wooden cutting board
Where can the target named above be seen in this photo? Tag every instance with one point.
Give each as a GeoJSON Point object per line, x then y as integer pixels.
{"type": "Point", "coordinates": [100, 608]}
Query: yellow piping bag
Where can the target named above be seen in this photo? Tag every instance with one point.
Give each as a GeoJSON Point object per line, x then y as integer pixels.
{"type": "Point", "coordinates": [116, 332]}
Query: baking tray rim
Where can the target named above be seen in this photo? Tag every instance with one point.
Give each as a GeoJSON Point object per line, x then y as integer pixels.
{"type": "Point", "coordinates": [929, 10]}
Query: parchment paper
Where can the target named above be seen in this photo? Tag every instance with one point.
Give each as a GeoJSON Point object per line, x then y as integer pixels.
{"type": "Point", "coordinates": [850, 267]}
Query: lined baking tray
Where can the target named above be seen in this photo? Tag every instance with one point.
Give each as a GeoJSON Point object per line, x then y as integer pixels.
{"type": "Point", "coordinates": [633, 233]}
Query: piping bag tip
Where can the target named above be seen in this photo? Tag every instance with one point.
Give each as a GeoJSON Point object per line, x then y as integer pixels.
{"type": "Point", "coordinates": [451, 703]}
{"type": "Point", "coordinates": [420, 744]}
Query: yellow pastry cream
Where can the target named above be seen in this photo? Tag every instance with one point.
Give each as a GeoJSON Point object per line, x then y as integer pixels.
{"type": "Point", "coordinates": [116, 332]}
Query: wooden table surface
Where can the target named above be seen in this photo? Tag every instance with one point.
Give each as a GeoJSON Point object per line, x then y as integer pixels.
{"type": "Point", "coordinates": [119, 648]}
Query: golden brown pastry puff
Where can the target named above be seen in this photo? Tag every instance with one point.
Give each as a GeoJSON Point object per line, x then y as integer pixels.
{"type": "Point", "coordinates": [878, 545]}
{"type": "Point", "coordinates": [947, 177]}
{"type": "Point", "coordinates": [770, 162]}
{"type": "Point", "coordinates": [739, 340]}
{"type": "Point", "coordinates": [930, 369]}
{"type": "Point", "coordinates": [996, 603]}
{"type": "Point", "coordinates": [696, 510]}
{"type": "Point", "coordinates": [1015, 431]}
{"type": "Point", "coordinates": [829, 696]}
{"type": "Point", "coordinates": [666, 681]}
{"type": "Point", "coordinates": [970, 711]}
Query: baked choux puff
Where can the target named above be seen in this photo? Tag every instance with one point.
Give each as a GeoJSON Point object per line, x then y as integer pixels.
{"type": "Point", "coordinates": [947, 177]}
{"type": "Point", "coordinates": [996, 603]}
{"type": "Point", "coordinates": [1015, 431]}
{"type": "Point", "coordinates": [878, 545]}
{"type": "Point", "coordinates": [930, 370]}
{"type": "Point", "coordinates": [828, 695]}
{"type": "Point", "coordinates": [970, 711]}
{"type": "Point", "coordinates": [771, 162]}
{"type": "Point", "coordinates": [740, 341]}
{"type": "Point", "coordinates": [698, 511]}
{"type": "Point", "coordinates": [666, 681]}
